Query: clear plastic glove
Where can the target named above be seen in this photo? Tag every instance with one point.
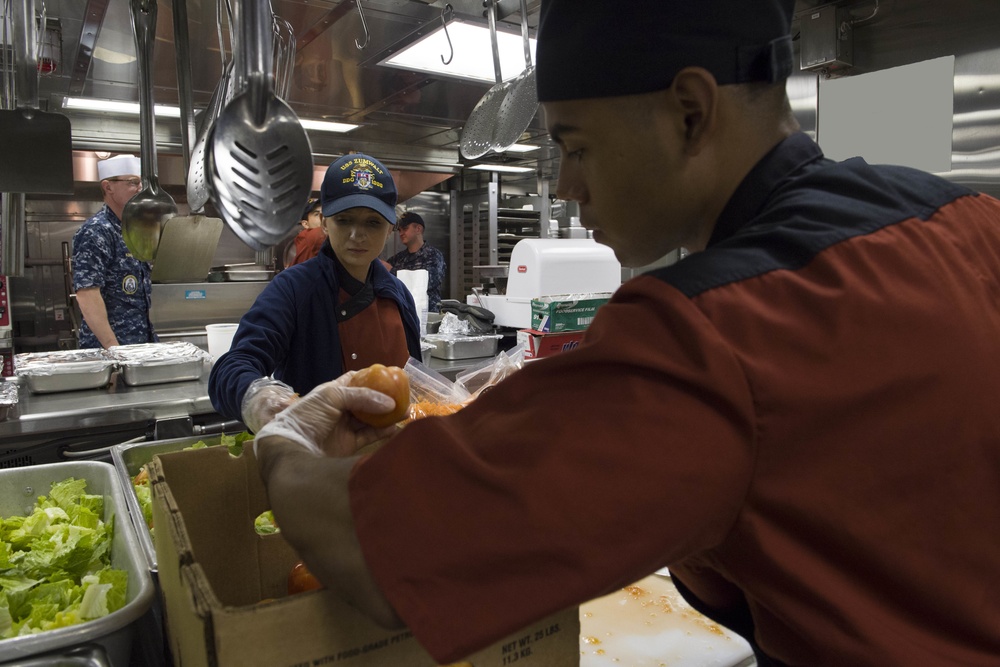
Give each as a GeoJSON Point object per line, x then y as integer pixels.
{"type": "Point", "coordinates": [321, 422]}
{"type": "Point", "coordinates": [264, 398]}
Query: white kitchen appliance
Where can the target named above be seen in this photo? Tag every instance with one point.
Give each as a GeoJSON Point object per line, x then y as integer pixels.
{"type": "Point", "coordinates": [542, 267]}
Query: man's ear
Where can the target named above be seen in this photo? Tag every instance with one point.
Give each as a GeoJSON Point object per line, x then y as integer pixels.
{"type": "Point", "coordinates": [697, 94]}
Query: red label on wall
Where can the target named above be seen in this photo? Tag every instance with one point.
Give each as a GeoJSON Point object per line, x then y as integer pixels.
{"type": "Point", "coordinates": [522, 268]}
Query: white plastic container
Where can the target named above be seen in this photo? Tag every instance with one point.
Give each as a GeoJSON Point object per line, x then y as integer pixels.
{"type": "Point", "coordinates": [416, 282]}
{"type": "Point", "coordinates": [220, 338]}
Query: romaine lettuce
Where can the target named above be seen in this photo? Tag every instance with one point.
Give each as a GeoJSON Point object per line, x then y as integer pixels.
{"type": "Point", "coordinates": [55, 563]}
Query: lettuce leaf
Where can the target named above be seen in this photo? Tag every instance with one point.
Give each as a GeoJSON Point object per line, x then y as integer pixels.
{"type": "Point", "coordinates": [55, 563]}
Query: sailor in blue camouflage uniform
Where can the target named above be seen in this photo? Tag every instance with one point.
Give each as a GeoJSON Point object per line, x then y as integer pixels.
{"type": "Point", "coordinates": [113, 288]}
{"type": "Point", "coordinates": [420, 255]}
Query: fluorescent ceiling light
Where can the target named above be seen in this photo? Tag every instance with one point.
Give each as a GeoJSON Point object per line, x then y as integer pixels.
{"type": "Point", "coordinates": [501, 167]}
{"type": "Point", "coordinates": [114, 106]}
{"type": "Point", "coordinates": [327, 126]}
{"type": "Point", "coordinates": [166, 111]}
{"type": "Point", "coordinates": [473, 53]}
{"type": "Point", "coordinates": [521, 148]}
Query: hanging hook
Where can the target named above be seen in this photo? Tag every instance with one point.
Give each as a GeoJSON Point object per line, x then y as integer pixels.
{"type": "Point", "coordinates": [444, 22]}
{"type": "Point", "coordinates": [364, 24]}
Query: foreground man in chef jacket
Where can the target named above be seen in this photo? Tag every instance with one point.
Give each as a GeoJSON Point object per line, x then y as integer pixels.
{"type": "Point", "coordinates": [799, 419]}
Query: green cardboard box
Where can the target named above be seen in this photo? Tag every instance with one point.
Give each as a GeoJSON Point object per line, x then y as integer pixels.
{"type": "Point", "coordinates": [566, 312]}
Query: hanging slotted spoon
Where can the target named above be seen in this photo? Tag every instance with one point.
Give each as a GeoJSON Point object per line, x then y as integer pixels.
{"type": "Point", "coordinates": [146, 212]}
{"type": "Point", "coordinates": [521, 102]}
{"type": "Point", "coordinates": [198, 193]}
{"type": "Point", "coordinates": [477, 135]}
{"type": "Point", "coordinates": [197, 176]}
{"type": "Point", "coordinates": [259, 159]}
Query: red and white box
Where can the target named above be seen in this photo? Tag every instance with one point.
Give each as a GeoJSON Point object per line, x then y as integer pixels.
{"type": "Point", "coordinates": [539, 344]}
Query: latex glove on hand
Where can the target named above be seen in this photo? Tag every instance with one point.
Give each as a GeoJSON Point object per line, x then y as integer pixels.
{"type": "Point", "coordinates": [264, 398]}
{"type": "Point", "coordinates": [321, 422]}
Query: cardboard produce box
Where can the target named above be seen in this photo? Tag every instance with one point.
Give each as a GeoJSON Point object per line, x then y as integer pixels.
{"type": "Point", "coordinates": [566, 312]}
{"type": "Point", "coordinates": [538, 344]}
{"type": "Point", "coordinates": [224, 586]}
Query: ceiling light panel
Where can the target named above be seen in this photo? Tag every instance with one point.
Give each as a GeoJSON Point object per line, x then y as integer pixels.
{"type": "Point", "coordinates": [473, 55]}
{"type": "Point", "coordinates": [167, 111]}
{"type": "Point", "coordinates": [505, 168]}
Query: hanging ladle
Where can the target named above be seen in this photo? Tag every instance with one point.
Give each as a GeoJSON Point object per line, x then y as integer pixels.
{"type": "Point", "coordinates": [197, 176]}
{"type": "Point", "coordinates": [146, 212]}
{"type": "Point", "coordinates": [477, 135]}
{"type": "Point", "coordinates": [259, 159]}
{"type": "Point", "coordinates": [521, 102]}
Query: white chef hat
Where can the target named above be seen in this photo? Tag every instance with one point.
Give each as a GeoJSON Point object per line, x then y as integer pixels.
{"type": "Point", "coordinates": [119, 165]}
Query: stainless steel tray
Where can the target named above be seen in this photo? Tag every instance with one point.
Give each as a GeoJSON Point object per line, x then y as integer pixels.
{"type": "Point", "coordinates": [246, 275]}
{"type": "Point", "coordinates": [155, 363]}
{"type": "Point", "coordinates": [72, 377]}
{"type": "Point", "coordinates": [64, 370]}
{"type": "Point", "coordinates": [18, 488]}
{"type": "Point", "coordinates": [8, 398]}
{"type": "Point", "coordinates": [162, 371]}
{"type": "Point", "coordinates": [128, 459]}
{"type": "Point", "coordinates": [467, 347]}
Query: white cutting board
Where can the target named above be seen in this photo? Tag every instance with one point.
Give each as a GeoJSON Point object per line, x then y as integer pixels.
{"type": "Point", "coordinates": [649, 624]}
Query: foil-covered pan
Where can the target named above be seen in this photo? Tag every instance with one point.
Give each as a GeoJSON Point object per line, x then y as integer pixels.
{"type": "Point", "coordinates": [64, 370]}
{"type": "Point", "coordinates": [157, 363]}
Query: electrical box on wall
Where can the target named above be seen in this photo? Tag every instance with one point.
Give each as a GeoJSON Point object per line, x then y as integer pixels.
{"type": "Point", "coordinates": [826, 39]}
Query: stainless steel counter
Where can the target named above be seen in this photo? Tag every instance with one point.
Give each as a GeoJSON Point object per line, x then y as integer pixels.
{"type": "Point", "coordinates": [49, 427]}
{"type": "Point", "coordinates": [118, 403]}
{"type": "Point", "coordinates": [57, 426]}
{"type": "Point", "coordinates": [39, 413]}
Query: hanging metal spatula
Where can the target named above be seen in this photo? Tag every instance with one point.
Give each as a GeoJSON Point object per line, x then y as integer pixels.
{"type": "Point", "coordinates": [259, 158]}
{"type": "Point", "coordinates": [36, 146]}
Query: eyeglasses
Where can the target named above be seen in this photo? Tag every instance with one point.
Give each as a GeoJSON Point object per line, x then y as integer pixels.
{"type": "Point", "coordinates": [133, 182]}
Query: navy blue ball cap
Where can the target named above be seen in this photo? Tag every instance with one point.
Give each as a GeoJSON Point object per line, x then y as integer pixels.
{"type": "Point", "coordinates": [411, 218]}
{"type": "Point", "coordinates": [311, 205]}
{"type": "Point", "coordinates": [609, 48]}
{"type": "Point", "coordinates": [358, 180]}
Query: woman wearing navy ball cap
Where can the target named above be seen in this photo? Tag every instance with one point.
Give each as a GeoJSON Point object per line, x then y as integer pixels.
{"type": "Point", "coordinates": [340, 311]}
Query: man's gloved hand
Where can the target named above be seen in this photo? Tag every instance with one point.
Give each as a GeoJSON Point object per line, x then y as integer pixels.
{"type": "Point", "coordinates": [264, 398]}
{"type": "Point", "coordinates": [321, 423]}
